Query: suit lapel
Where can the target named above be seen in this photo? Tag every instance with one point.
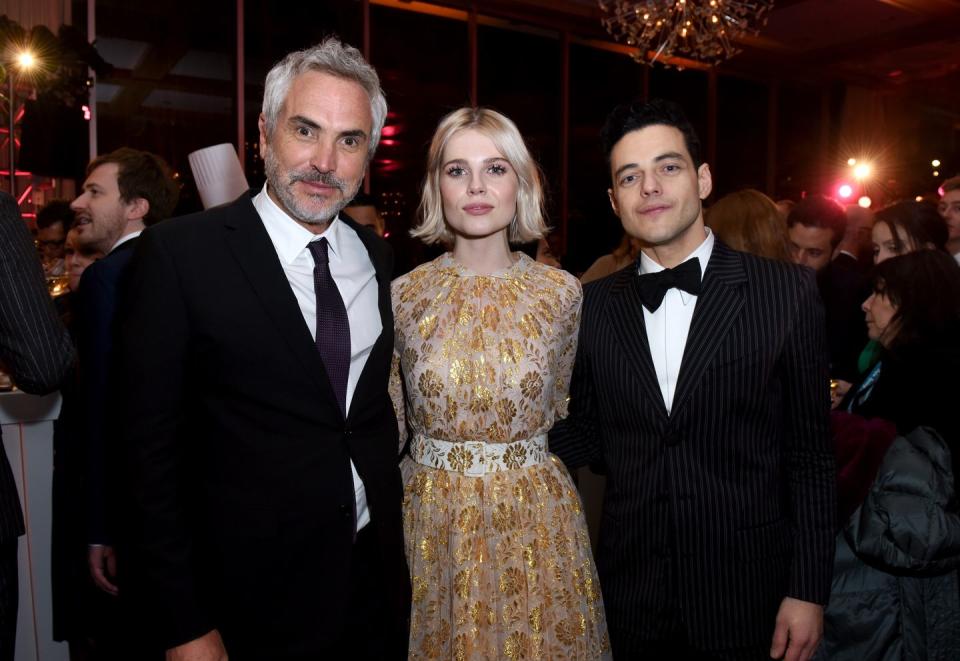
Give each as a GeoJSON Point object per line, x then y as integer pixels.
{"type": "Point", "coordinates": [251, 245]}
{"type": "Point", "coordinates": [626, 314]}
{"type": "Point", "coordinates": [718, 305]}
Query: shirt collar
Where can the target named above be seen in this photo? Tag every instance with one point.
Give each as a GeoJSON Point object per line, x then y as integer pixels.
{"type": "Point", "coordinates": [289, 237]}
{"type": "Point", "coordinates": [123, 239]}
{"type": "Point", "coordinates": [702, 253]}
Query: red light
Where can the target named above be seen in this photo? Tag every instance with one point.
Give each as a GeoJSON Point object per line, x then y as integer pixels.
{"type": "Point", "coordinates": [389, 142]}
{"type": "Point", "coordinates": [845, 191]}
{"type": "Point", "coordinates": [389, 130]}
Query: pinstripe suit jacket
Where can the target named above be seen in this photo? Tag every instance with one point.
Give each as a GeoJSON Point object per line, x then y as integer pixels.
{"type": "Point", "coordinates": [34, 345]}
{"type": "Point", "coordinates": [725, 506]}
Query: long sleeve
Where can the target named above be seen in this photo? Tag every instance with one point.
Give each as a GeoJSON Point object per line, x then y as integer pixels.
{"type": "Point", "coordinates": [396, 395]}
{"type": "Point", "coordinates": [575, 439]}
{"type": "Point", "coordinates": [34, 344]}
{"type": "Point", "coordinates": [569, 327]}
{"type": "Point", "coordinates": [153, 346]}
{"type": "Point", "coordinates": [811, 467]}
{"type": "Point", "coordinates": [95, 329]}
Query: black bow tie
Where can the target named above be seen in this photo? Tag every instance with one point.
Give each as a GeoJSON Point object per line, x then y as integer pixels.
{"type": "Point", "coordinates": [654, 286]}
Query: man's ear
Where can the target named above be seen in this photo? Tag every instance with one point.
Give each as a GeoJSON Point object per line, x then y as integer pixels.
{"type": "Point", "coordinates": [137, 209]}
{"type": "Point", "coordinates": [262, 125]}
{"type": "Point", "coordinates": [704, 181]}
{"type": "Point", "coordinates": [613, 202]}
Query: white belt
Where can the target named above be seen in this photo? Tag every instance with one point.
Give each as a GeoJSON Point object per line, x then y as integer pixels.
{"type": "Point", "coordinates": [476, 458]}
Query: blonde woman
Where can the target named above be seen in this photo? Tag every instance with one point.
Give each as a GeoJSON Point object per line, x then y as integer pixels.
{"type": "Point", "coordinates": [751, 222]}
{"type": "Point", "coordinates": [496, 541]}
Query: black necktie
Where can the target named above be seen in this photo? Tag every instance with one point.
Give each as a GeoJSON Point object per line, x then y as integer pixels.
{"type": "Point", "coordinates": [333, 325]}
{"type": "Point", "coordinates": [654, 286]}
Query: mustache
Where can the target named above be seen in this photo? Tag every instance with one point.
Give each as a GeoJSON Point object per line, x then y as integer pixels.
{"type": "Point", "coordinates": [325, 178]}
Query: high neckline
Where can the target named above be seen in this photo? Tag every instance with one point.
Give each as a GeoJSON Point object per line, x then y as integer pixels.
{"type": "Point", "coordinates": [447, 262]}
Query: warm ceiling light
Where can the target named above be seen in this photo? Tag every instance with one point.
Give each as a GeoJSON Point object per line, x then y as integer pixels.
{"type": "Point", "coordinates": [26, 60]}
{"type": "Point", "coordinates": [935, 162]}
{"type": "Point", "coordinates": [861, 171]}
{"type": "Point", "coordinates": [865, 202]}
{"type": "Point", "coordinates": [851, 162]}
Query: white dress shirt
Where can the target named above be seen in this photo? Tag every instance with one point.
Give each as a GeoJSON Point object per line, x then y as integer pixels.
{"type": "Point", "coordinates": [123, 239]}
{"type": "Point", "coordinates": [669, 325]}
{"type": "Point", "coordinates": [356, 279]}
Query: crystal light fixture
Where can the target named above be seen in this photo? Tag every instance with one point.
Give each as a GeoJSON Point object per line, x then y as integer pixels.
{"type": "Point", "coordinates": [703, 30]}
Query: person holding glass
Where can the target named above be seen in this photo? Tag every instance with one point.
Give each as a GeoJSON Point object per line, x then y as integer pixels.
{"type": "Point", "coordinates": [496, 539]}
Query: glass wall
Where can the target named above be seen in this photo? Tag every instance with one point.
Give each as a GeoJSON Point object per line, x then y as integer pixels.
{"type": "Point", "coordinates": [599, 81]}
{"type": "Point", "coordinates": [741, 136]}
{"type": "Point", "coordinates": [422, 84]}
{"type": "Point", "coordinates": [519, 74]}
{"type": "Point", "coordinates": [172, 89]}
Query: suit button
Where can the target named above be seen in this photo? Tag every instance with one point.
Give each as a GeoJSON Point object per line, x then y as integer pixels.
{"type": "Point", "coordinates": [346, 512]}
{"type": "Point", "coordinates": [347, 433]}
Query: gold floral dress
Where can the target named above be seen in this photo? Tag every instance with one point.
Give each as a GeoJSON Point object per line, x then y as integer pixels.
{"type": "Point", "coordinates": [496, 540]}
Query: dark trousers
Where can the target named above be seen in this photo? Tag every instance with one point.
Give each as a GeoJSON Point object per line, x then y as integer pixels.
{"type": "Point", "coordinates": [369, 633]}
{"type": "Point", "coordinates": [9, 597]}
{"type": "Point", "coordinates": [630, 647]}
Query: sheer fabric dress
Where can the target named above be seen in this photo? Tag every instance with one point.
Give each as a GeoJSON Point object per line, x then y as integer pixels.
{"type": "Point", "coordinates": [496, 540]}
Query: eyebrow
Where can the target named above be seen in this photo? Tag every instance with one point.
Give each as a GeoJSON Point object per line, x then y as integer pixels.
{"type": "Point", "coordinates": [306, 121]}
{"type": "Point", "coordinates": [662, 157]}
{"type": "Point", "coordinates": [492, 159]}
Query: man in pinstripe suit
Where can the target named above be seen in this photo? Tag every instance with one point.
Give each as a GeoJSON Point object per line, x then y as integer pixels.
{"type": "Point", "coordinates": [36, 350]}
{"type": "Point", "coordinates": [701, 385]}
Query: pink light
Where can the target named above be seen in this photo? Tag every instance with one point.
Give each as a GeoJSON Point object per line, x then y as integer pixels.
{"type": "Point", "coordinates": [389, 142]}
{"type": "Point", "coordinates": [390, 130]}
{"type": "Point", "coordinates": [86, 112]}
{"type": "Point", "coordinates": [845, 191]}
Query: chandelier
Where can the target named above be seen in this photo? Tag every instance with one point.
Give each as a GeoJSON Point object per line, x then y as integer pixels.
{"type": "Point", "coordinates": [703, 30]}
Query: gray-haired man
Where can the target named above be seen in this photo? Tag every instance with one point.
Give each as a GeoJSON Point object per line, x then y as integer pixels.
{"type": "Point", "coordinates": [257, 348]}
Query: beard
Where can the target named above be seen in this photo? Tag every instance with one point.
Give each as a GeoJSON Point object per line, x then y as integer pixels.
{"type": "Point", "coordinates": [306, 209]}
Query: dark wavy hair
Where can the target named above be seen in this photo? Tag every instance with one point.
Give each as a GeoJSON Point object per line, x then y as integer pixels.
{"type": "Point", "coordinates": [820, 211]}
{"type": "Point", "coordinates": [924, 287]}
{"type": "Point", "coordinates": [915, 225]}
{"type": "Point", "coordinates": [635, 116]}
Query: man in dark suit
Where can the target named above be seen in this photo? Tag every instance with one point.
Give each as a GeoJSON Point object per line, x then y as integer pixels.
{"type": "Point", "coordinates": [701, 385]}
{"type": "Point", "coordinates": [824, 237]}
{"type": "Point", "coordinates": [36, 350]}
{"type": "Point", "coordinates": [124, 192]}
{"type": "Point", "coordinates": [257, 346]}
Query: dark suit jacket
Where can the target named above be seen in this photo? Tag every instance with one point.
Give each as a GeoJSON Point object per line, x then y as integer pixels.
{"type": "Point", "coordinates": [725, 506]}
{"type": "Point", "coordinates": [844, 287]}
{"type": "Point", "coordinates": [241, 456]}
{"type": "Point", "coordinates": [34, 345]}
{"type": "Point", "coordinates": [96, 332]}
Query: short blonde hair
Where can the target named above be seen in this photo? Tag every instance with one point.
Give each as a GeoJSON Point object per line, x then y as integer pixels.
{"type": "Point", "coordinates": [528, 224]}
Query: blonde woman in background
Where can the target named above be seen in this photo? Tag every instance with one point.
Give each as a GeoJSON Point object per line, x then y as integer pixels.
{"type": "Point", "coordinates": [750, 221]}
{"type": "Point", "coordinates": [496, 541]}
